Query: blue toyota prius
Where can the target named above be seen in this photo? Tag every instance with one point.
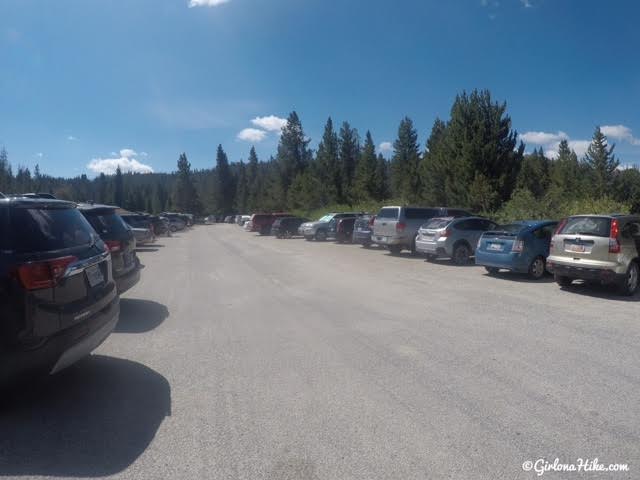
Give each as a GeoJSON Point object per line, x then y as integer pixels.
{"type": "Point", "coordinates": [521, 246]}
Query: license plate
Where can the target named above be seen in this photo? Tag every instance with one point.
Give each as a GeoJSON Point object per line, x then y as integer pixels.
{"type": "Point", "coordinates": [577, 248]}
{"type": "Point", "coordinates": [94, 275]}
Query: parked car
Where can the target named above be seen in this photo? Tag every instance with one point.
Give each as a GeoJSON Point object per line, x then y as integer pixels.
{"type": "Point", "coordinates": [287, 227]}
{"type": "Point", "coordinates": [319, 230]}
{"type": "Point", "coordinates": [119, 239]}
{"type": "Point", "coordinates": [244, 219]}
{"type": "Point", "coordinates": [176, 223]}
{"type": "Point", "coordinates": [396, 227]}
{"type": "Point", "coordinates": [248, 226]}
{"type": "Point", "coordinates": [342, 231]}
{"type": "Point", "coordinates": [455, 238]}
{"type": "Point", "coordinates": [261, 222]}
{"type": "Point", "coordinates": [37, 195]}
{"type": "Point", "coordinates": [602, 248]}
{"type": "Point", "coordinates": [58, 299]}
{"type": "Point", "coordinates": [142, 228]}
{"type": "Point", "coordinates": [518, 247]}
{"type": "Point", "coordinates": [161, 225]}
{"type": "Point", "coordinates": [362, 230]}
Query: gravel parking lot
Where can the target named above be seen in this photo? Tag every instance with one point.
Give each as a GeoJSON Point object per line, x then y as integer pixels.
{"type": "Point", "coordinates": [247, 357]}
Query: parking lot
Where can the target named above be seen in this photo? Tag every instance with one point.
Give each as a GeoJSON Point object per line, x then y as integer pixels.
{"type": "Point", "coordinates": [247, 357]}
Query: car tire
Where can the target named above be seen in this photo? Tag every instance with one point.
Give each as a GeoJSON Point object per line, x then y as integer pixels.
{"type": "Point", "coordinates": [395, 249]}
{"type": "Point", "coordinates": [537, 268]}
{"type": "Point", "coordinates": [321, 236]}
{"type": "Point", "coordinates": [492, 270]}
{"type": "Point", "coordinates": [562, 280]}
{"type": "Point", "coordinates": [414, 252]}
{"type": "Point", "coordinates": [308, 238]}
{"type": "Point", "coordinates": [431, 257]}
{"type": "Point", "coordinates": [366, 245]}
{"type": "Point", "coordinates": [461, 254]}
{"type": "Point", "coordinates": [631, 280]}
{"type": "Point", "coordinates": [173, 228]}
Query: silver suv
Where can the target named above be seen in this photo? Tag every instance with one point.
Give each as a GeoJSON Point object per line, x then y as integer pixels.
{"type": "Point", "coordinates": [603, 248]}
{"type": "Point", "coordinates": [455, 238]}
{"type": "Point", "coordinates": [396, 227]}
{"type": "Point", "coordinates": [319, 229]}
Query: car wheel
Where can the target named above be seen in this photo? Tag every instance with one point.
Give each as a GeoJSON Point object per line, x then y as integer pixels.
{"type": "Point", "coordinates": [173, 228]}
{"type": "Point", "coordinates": [492, 270]}
{"type": "Point", "coordinates": [414, 252]}
{"type": "Point", "coordinates": [537, 268]}
{"type": "Point", "coordinates": [461, 254]}
{"type": "Point", "coordinates": [307, 238]}
{"type": "Point", "coordinates": [562, 280]}
{"type": "Point", "coordinates": [366, 244]}
{"type": "Point", "coordinates": [321, 236]}
{"type": "Point", "coordinates": [395, 249]}
{"type": "Point", "coordinates": [630, 285]}
{"type": "Point", "coordinates": [431, 257]}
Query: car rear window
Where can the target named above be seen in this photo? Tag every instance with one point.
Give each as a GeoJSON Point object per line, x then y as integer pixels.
{"type": "Point", "coordinates": [593, 226]}
{"type": "Point", "coordinates": [437, 223]}
{"type": "Point", "coordinates": [389, 213]}
{"type": "Point", "coordinates": [47, 229]}
{"type": "Point", "coordinates": [106, 223]}
{"type": "Point", "coordinates": [511, 227]}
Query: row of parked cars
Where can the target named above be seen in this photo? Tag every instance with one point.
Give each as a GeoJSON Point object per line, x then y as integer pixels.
{"type": "Point", "coordinates": [63, 267]}
{"type": "Point", "coordinates": [603, 249]}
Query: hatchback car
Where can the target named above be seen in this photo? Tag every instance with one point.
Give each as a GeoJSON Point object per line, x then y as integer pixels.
{"type": "Point", "coordinates": [518, 247]}
{"type": "Point", "coordinates": [287, 227]}
{"type": "Point", "coordinates": [455, 238]}
{"type": "Point", "coordinates": [601, 248]}
{"type": "Point", "coordinates": [396, 227]}
{"type": "Point", "coordinates": [58, 299]}
{"type": "Point", "coordinates": [362, 230]}
{"type": "Point", "coordinates": [120, 241]}
{"type": "Point", "coordinates": [142, 228]}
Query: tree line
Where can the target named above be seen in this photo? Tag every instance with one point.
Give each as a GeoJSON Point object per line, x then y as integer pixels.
{"type": "Point", "coordinates": [472, 160]}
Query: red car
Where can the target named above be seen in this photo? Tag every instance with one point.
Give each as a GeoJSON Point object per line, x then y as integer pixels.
{"type": "Point", "coordinates": [261, 222]}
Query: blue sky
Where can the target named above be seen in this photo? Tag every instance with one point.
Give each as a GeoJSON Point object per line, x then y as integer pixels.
{"type": "Point", "coordinates": [87, 85]}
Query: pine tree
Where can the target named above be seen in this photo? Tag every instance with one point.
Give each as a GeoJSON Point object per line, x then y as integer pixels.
{"type": "Point", "coordinates": [564, 174]}
{"type": "Point", "coordinates": [242, 189]}
{"type": "Point", "coordinates": [185, 196]}
{"type": "Point", "coordinates": [382, 181]}
{"type": "Point", "coordinates": [252, 181]}
{"type": "Point", "coordinates": [328, 165]}
{"type": "Point", "coordinates": [601, 162]}
{"type": "Point", "coordinates": [349, 153]}
{"type": "Point", "coordinates": [224, 189]}
{"type": "Point", "coordinates": [433, 166]}
{"type": "Point", "coordinates": [534, 173]}
{"type": "Point", "coordinates": [293, 154]}
{"type": "Point", "coordinates": [405, 180]}
{"type": "Point", "coordinates": [5, 172]}
{"type": "Point", "coordinates": [118, 196]}
{"type": "Point", "coordinates": [365, 175]}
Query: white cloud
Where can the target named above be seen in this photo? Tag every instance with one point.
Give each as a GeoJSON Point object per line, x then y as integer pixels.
{"type": "Point", "coordinates": [578, 146]}
{"type": "Point", "coordinates": [270, 123]}
{"type": "Point", "coordinates": [71, 138]}
{"type": "Point", "coordinates": [386, 147]}
{"type": "Point", "coordinates": [206, 3]}
{"type": "Point", "coordinates": [543, 138]}
{"type": "Point", "coordinates": [128, 153]}
{"type": "Point", "coordinates": [620, 132]}
{"type": "Point", "coordinates": [251, 135]}
{"type": "Point", "coordinates": [144, 154]}
{"type": "Point", "coordinates": [39, 154]}
{"type": "Point", "coordinates": [526, 3]}
{"type": "Point", "coordinates": [125, 161]}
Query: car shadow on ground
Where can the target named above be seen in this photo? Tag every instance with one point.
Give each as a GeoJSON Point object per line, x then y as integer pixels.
{"type": "Point", "coordinates": [91, 420]}
{"type": "Point", "coordinates": [140, 316]}
{"type": "Point", "coordinates": [520, 277]}
{"type": "Point", "coordinates": [604, 292]}
{"type": "Point", "coordinates": [146, 249]}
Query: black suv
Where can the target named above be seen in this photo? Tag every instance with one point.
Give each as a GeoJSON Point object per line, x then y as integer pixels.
{"type": "Point", "coordinates": [58, 300]}
{"type": "Point", "coordinates": [119, 240]}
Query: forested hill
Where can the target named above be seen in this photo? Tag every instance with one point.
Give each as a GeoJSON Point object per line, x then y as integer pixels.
{"type": "Point", "coordinates": [472, 159]}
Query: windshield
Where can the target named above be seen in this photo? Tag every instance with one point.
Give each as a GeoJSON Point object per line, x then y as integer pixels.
{"type": "Point", "coordinates": [593, 226]}
{"type": "Point", "coordinates": [40, 230]}
{"type": "Point", "coordinates": [326, 218]}
{"type": "Point", "coordinates": [437, 223]}
{"type": "Point", "coordinates": [388, 213]}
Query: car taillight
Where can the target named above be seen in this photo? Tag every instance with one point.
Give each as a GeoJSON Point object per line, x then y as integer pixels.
{"type": "Point", "coordinates": [518, 246]}
{"type": "Point", "coordinates": [400, 226]}
{"type": "Point", "coordinates": [560, 226]}
{"type": "Point", "coordinates": [614, 237]}
{"type": "Point", "coordinates": [37, 275]}
{"type": "Point", "coordinates": [113, 245]}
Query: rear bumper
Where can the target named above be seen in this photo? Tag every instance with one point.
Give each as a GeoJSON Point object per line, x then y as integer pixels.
{"type": "Point", "coordinates": [62, 349]}
{"type": "Point", "coordinates": [512, 261]}
{"type": "Point", "coordinates": [128, 280]}
{"type": "Point", "coordinates": [388, 240]}
{"type": "Point", "coordinates": [361, 237]}
{"type": "Point", "coordinates": [432, 248]}
{"type": "Point", "coordinates": [603, 275]}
